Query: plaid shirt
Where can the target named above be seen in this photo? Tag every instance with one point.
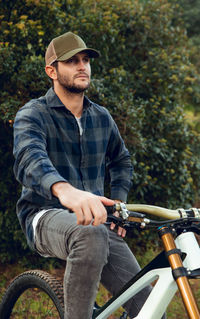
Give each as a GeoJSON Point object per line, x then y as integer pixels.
{"type": "Point", "coordinates": [48, 149]}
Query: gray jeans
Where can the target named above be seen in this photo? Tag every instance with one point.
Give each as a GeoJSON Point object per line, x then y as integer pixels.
{"type": "Point", "coordinates": [93, 255]}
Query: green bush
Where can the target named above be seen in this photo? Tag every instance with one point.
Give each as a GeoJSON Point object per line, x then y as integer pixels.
{"type": "Point", "coordinates": [9, 191]}
{"type": "Point", "coordinates": [191, 17]}
{"type": "Point", "coordinates": [144, 77]}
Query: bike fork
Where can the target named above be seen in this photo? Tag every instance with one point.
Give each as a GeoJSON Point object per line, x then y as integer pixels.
{"type": "Point", "coordinates": [179, 272]}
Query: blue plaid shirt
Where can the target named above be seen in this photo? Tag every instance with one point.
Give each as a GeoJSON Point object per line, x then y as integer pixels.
{"type": "Point", "coordinates": [48, 148]}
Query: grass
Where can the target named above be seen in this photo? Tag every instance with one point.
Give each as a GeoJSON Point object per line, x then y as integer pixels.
{"type": "Point", "coordinates": [34, 304]}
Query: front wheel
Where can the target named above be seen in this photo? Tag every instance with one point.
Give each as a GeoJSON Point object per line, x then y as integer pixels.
{"type": "Point", "coordinates": [33, 294]}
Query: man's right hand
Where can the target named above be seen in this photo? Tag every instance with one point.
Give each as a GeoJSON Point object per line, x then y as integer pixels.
{"type": "Point", "coordinates": [89, 208]}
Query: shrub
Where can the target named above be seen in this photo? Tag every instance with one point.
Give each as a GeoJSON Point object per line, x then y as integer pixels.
{"type": "Point", "coordinates": [11, 235]}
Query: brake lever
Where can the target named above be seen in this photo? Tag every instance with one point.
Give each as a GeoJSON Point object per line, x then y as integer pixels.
{"type": "Point", "coordinates": [136, 214]}
{"type": "Point", "coordinates": [120, 222]}
{"type": "Point", "coordinates": [113, 219]}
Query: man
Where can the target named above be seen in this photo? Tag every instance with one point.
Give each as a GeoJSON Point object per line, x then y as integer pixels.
{"type": "Point", "coordinates": [63, 144]}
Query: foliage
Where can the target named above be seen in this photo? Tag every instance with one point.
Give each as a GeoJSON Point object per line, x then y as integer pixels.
{"type": "Point", "coordinates": [191, 18]}
{"type": "Point", "coordinates": [10, 231]}
{"type": "Point", "coordinates": [144, 77]}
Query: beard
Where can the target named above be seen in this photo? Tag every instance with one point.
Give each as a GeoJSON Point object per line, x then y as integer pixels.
{"type": "Point", "coordinates": [70, 86]}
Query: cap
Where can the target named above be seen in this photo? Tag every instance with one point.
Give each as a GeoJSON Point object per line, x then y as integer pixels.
{"type": "Point", "coordinates": [65, 46]}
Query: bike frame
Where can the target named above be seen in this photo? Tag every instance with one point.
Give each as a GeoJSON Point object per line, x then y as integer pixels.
{"type": "Point", "coordinates": [158, 300]}
{"type": "Point", "coordinates": [169, 275]}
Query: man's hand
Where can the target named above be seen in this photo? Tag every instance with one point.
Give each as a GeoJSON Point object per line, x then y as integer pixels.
{"type": "Point", "coordinates": [88, 207]}
{"type": "Point", "coordinates": [120, 231]}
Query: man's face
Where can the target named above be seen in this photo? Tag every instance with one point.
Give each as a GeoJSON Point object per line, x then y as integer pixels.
{"type": "Point", "coordinates": [74, 74]}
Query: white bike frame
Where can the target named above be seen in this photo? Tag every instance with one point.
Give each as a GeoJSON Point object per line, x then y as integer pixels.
{"type": "Point", "coordinates": [158, 299]}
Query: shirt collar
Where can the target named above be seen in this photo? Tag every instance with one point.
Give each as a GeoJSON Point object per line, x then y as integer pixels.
{"type": "Point", "coordinates": [54, 101]}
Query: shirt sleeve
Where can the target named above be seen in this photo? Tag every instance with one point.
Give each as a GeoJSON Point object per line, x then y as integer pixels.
{"type": "Point", "coordinates": [32, 167]}
{"type": "Point", "coordinates": [119, 165]}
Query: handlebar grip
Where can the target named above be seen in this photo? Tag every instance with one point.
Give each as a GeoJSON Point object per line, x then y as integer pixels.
{"type": "Point", "coordinates": [110, 209]}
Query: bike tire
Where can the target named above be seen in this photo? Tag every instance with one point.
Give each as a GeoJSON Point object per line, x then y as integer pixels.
{"type": "Point", "coordinates": [33, 282]}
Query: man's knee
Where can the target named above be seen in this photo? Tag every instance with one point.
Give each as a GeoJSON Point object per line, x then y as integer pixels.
{"type": "Point", "coordinates": [92, 244]}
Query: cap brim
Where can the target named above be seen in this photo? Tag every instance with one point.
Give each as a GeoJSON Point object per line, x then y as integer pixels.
{"type": "Point", "coordinates": [91, 52]}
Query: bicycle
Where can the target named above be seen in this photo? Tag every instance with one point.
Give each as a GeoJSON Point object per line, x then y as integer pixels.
{"type": "Point", "coordinates": [171, 269]}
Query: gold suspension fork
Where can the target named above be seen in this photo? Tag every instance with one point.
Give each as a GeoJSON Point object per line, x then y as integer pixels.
{"type": "Point", "coordinates": [179, 273]}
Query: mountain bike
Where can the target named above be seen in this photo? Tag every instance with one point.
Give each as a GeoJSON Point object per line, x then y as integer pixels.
{"type": "Point", "coordinates": [170, 271]}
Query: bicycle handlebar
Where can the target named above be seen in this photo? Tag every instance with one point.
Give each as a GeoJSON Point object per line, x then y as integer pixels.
{"type": "Point", "coordinates": [179, 219]}
{"type": "Point", "coordinates": [138, 210]}
{"type": "Point", "coordinates": [154, 210]}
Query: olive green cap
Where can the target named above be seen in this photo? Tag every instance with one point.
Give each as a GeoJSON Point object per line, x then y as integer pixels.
{"type": "Point", "coordinates": [65, 46]}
